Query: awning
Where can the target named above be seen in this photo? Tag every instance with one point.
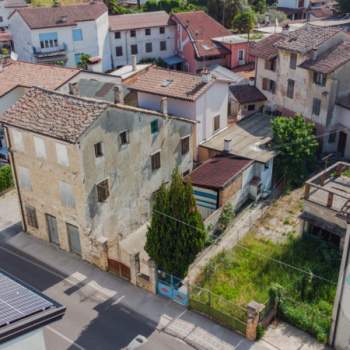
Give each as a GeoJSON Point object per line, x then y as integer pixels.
{"type": "Point", "coordinates": [173, 60]}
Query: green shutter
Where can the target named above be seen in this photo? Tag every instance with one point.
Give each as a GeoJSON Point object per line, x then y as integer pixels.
{"type": "Point", "coordinates": [154, 126]}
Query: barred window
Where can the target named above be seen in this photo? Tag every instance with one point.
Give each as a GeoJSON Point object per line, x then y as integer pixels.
{"type": "Point", "coordinates": [155, 158]}
{"type": "Point", "coordinates": [31, 216]}
{"type": "Point", "coordinates": [185, 145]}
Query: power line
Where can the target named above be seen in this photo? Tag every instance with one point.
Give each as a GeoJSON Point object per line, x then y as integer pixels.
{"type": "Point", "coordinates": [311, 274]}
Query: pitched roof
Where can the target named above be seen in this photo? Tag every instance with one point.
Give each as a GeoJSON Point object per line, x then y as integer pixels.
{"type": "Point", "coordinates": [170, 83]}
{"type": "Point", "coordinates": [306, 38]}
{"type": "Point", "coordinates": [247, 93]}
{"type": "Point", "coordinates": [217, 172]}
{"type": "Point", "coordinates": [331, 60]}
{"type": "Point", "coordinates": [29, 74]}
{"type": "Point", "coordinates": [265, 48]}
{"type": "Point", "coordinates": [139, 20]}
{"type": "Point", "coordinates": [61, 16]}
{"type": "Point", "coordinates": [60, 116]}
{"type": "Point", "coordinates": [202, 29]}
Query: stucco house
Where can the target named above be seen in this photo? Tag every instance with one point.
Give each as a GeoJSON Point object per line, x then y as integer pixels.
{"type": "Point", "coordinates": [305, 72]}
{"type": "Point", "coordinates": [76, 185]}
{"type": "Point", "coordinates": [61, 34]}
{"type": "Point", "coordinates": [200, 98]}
{"type": "Point", "coordinates": [148, 35]}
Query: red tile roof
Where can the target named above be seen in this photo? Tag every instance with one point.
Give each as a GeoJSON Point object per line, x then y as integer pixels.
{"type": "Point", "coordinates": [217, 172]}
{"type": "Point", "coordinates": [247, 94]}
{"type": "Point", "coordinates": [139, 20]}
{"type": "Point", "coordinates": [265, 48]}
{"type": "Point", "coordinates": [29, 74]}
{"type": "Point", "coordinates": [202, 29]}
{"type": "Point", "coordinates": [61, 16]}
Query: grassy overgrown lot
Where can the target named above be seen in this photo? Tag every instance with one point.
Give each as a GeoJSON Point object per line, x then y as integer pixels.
{"type": "Point", "coordinates": [248, 272]}
{"type": "Point", "coordinates": [48, 3]}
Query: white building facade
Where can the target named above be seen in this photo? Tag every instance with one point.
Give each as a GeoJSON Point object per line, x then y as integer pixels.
{"type": "Point", "coordinates": [68, 33]}
{"type": "Point", "coordinates": [146, 35]}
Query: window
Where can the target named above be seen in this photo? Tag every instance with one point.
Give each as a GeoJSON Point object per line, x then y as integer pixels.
{"type": "Point", "coordinates": [17, 140]}
{"type": "Point", "coordinates": [154, 126]}
{"type": "Point", "coordinates": [98, 149]}
{"type": "Point", "coordinates": [62, 154]}
{"type": "Point", "coordinates": [241, 55]}
{"type": "Point", "coordinates": [117, 35]}
{"type": "Point", "coordinates": [290, 88]}
{"type": "Point", "coordinates": [66, 194]}
{"type": "Point", "coordinates": [293, 61]}
{"type": "Point", "coordinates": [102, 191]}
{"type": "Point", "coordinates": [148, 47]}
{"type": "Point", "coordinates": [119, 51]}
{"type": "Point", "coordinates": [316, 106]}
{"type": "Point", "coordinates": [133, 33]}
{"type": "Point", "coordinates": [271, 64]}
{"type": "Point", "coordinates": [251, 107]}
{"type": "Point", "coordinates": [155, 159]}
{"type": "Point", "coordinates": [124, 137]}
{"type": "Point", "coordinates": [332, 137]}
{"type": "Point", "coordinates": [269, 85]}
{"type": "Point", "coordinates": [134, 49]}
{"type": "Point", "coordinates": [161, 30]}
{"type": "Point", "coordinates": [162, 45]}
{"type": "Point", "coordinates": [31, 216]}
{"type": "Point", "coordinates": [216, 122]}
{"type": "Point", "coordinates": [320, 78]}
{"type": "Point", "coordinates": [77, 34]}
{"type": "Point", "coordinates": [48, 40]}
{"type": "Point", "coordinates": [185, 145]}
{"type": "Point", "coordinates": [40, 149]}
{"type": "Point", "coordinates": [25, 181]}
{"type": "Point", "coordinates": [1, 19]}
{"type": "Point", "coordinates": [77, 57]}
{"type": "Point", "coordinates": [148, 31]}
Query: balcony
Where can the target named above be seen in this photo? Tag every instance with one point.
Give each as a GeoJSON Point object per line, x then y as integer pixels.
{"type": "Point", "coordinates": [56, 52]}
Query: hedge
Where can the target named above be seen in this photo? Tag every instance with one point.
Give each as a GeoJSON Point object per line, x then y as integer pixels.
{"type": "Point", "coordinates": [6, 180]}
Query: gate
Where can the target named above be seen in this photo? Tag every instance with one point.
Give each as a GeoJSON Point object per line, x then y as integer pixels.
{"type": "Point", "coordinates": [119, 269]}
{"type": "Point", "coordinates": [172, 287]}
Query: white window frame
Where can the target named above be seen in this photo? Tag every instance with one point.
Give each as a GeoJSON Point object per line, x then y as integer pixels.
{"type": "Point", "coordinates": [40, 147]}
{"type": "Point", "coordinates": [17, 138]}
{"type": "Point", "coordinates": [62, 154]}
{"type": "Point", "coordinates": [24, 178]}
{"type": "Point", "coordinates": [67, 195]}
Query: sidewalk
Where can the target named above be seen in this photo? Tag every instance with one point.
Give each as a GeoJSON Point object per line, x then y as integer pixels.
{"type": "Point", "coordinates": [170, 318]}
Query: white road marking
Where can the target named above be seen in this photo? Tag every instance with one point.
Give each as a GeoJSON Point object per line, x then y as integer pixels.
{"type": "Point", "coordinates": [68, 340]}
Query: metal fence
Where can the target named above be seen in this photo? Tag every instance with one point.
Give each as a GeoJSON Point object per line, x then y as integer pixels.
{"type": "Point", "coordinates": [218, 308]}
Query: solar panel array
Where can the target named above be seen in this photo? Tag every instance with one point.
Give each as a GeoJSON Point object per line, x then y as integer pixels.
{"type": "Point", "coordinates": [17, 301]}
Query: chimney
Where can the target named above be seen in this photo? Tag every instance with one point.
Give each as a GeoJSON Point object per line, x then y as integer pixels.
{"type": "Point", "coordinates": [134, 62]}
{"type": "Point", "coordinates": [206, 76]}
{"type": "Point", "coordinates": [227, 145]}
{"type": "Point", "coordinates": [73, 89]}
{"type": "Point", "coordinates": [251, 81]}
{"type": "Point", "coordinates": [118, 94]}
{"type": "Point", "coordinates": [164, 105]}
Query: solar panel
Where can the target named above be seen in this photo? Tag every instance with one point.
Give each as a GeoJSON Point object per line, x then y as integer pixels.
{"type": "Point", "coordinates": [17, 301]}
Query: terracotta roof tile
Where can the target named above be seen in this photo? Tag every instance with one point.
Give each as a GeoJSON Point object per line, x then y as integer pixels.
{"type": "Point", "coordinates": [217, 172]}
{"type": "Point", "coordinates": [170, 83]}
{"type": "Point", "coordinates": [48, 17]}
{"type": "Point", "coordinates": [246, 94]}
{"type": "Point", "coordinates": [265, 48]}
{"type": "Point", "coordinates": [202, 29]}
{"type": "Point", "coordinates": [60, 116]}
{"type": "Point", "coordinates": [29, 74]}
{"type": "Point", "coordinates": [306, 38]}
{"type": "Point", "coordinates": [139, 20]}
{"type": "Point", "coordinates": [330, 60]}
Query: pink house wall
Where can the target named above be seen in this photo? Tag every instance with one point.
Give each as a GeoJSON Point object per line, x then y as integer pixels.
{"type": "Point", "coordinates": [232, 60]}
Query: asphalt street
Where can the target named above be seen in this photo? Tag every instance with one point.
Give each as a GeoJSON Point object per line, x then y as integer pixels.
{"type": "Point", "coordinates": [92, 320]}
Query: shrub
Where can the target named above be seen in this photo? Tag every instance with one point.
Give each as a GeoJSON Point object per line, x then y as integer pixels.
{"type": "Point", "coordinates": [6, 180]}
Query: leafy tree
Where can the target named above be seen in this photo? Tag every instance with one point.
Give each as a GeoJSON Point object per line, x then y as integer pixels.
{"type": "Point", "coordinates": [245, 21]}
{"type": "Point", "coordinates": [84, 61]}
{"type": "Point", "coordinates": [272, 14]}
{"type": "Point", "coordinates": [343, 6]}
{"type": "Point", "coordinates": [176, 233]}
{"type": "Point", "coordinates": [295, 141]}
{"type": "Point", "coordinates": [258, 5]}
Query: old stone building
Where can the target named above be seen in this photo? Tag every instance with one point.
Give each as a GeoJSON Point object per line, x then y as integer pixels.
{"type": "Point", "coordinates": [86, 170]}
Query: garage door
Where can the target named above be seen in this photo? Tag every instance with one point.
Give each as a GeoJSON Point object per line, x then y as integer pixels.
{"type": "Point", "coordinates": [119, 269]}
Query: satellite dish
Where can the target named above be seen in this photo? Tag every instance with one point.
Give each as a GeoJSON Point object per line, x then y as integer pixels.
{"type": "Point", "coordinates": [14, 56]}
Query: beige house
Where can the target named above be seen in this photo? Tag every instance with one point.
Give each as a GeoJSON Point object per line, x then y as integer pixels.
{"type": "Point", "coordinates": [86, 170]}
{"type": "Point", "coordinates": [305, 72]}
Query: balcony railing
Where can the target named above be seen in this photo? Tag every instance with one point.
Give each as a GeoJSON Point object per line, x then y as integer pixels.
{"type": "Point", "coordinates": [49, 51]}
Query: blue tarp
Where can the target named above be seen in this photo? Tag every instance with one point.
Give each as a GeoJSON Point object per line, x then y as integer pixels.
{"type": "Point", "coordinates": [173, 60]}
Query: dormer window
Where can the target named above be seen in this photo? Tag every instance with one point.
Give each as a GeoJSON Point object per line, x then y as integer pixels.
{"type": "Point", "coordinates": [320, 78]}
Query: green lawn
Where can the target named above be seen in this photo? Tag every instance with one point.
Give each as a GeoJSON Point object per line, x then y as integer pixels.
{"type": "Point", "coordinates": [47, 3]}
{"type": "Point", "coordinates": [242, 275]}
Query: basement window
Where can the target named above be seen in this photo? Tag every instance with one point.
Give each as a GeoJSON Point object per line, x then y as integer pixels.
{"type": "Point", "coordinates": [102, 191]}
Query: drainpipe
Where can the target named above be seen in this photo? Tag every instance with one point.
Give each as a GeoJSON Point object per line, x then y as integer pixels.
{"type": "Point", "coordinates": [14, 172]}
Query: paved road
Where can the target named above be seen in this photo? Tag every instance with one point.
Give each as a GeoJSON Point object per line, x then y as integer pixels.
{"type": "Point", "coordinates": [99, 321]}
